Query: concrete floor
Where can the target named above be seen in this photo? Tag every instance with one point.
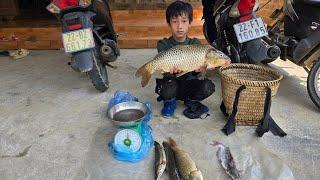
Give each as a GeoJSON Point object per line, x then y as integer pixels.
{"type": "Point", "coordinates": [53, 125]}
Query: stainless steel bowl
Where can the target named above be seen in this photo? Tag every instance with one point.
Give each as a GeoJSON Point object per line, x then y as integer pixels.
{"type": "Point", "coordinates": [127, 113]}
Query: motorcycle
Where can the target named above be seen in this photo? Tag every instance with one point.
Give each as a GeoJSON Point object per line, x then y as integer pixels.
{"type": "Point", "coordinates": [234, 28]}
{"type": "Point", "coordinates": [296, 30]}
{"type": "Point", "coordinates": [88, 35]}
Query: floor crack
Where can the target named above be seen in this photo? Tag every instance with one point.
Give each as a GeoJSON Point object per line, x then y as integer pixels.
{"type": "Point", "coordinates": [21, 154]}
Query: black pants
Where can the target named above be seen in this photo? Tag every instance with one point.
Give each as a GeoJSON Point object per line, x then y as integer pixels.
{"type": "Point", "coordinates": [183, 89]}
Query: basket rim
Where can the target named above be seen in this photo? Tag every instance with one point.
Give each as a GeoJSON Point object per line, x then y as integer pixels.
{"type": "Point", "coordinates": [248, 82]}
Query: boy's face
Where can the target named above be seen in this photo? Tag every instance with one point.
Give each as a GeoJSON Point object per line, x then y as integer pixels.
{"type": "Point", "coordinates": [180, 26]}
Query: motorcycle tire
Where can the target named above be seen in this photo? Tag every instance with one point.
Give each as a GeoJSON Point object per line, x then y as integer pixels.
{"type": "Point", "coordinates": [98, 74]}
{"type": "Point", "coordinates": [314, 82]}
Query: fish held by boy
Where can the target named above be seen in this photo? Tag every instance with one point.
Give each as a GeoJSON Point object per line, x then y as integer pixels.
{"type": "Point", "coordinates": [186, 58]}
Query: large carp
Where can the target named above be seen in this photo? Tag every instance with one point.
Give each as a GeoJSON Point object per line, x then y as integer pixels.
{"type": "Point", "coordinates": [186, 58]}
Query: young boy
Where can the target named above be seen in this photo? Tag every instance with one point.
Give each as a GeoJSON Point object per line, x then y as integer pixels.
{"type": "Point", "coordinates": [188, 87]}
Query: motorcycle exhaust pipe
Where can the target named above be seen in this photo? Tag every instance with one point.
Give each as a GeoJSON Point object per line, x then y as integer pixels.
{"type": "Point", "coordinates": [273, 49]}
{"type": "Point", "coordinates": [257, 51]}
{"type": "Point", "coordinates": [273, 52]}
{"type": "Point", "coordinates": [106, 51]}
{"type": "Point", "coordinates": [73, 65]}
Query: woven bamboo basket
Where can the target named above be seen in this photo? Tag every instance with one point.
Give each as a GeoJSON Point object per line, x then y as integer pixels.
{"type": "Point", "coordinates": [251, 102]}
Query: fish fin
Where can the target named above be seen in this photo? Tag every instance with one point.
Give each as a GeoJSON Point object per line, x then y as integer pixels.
{"type": "Point", "coordinates": [145, 72]}
{"type": "Point", "coordinates": [145, 80]}
{"type": "Point", "coordinates": [172, 142]}
{"type": "Point", "coordinates": [140, 70]}
{"type": "Point", "coordinates": [196, 175]}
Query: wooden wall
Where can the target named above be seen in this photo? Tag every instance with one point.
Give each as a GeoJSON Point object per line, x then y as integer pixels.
{"type": "Point", "coordinates": [141, 32]}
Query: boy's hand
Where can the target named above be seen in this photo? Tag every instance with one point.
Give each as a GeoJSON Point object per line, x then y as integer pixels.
{"type": "Point", "coordinates": [175, 70]}
{"type": "Point", "coordinates": [202, 68]}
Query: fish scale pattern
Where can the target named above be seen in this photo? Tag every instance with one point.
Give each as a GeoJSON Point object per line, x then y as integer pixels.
{"type": "Point", "coordinates": [185, 57]}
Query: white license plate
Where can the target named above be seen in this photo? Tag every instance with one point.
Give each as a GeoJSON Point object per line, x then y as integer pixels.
{"type": "Point", "coordinates": [79, 40]}
{"type": "Point", "coordinates": [249, 30]}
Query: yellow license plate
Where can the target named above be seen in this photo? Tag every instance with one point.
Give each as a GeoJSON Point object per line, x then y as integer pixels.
{"type": "Point", "coordinates": [79, 40]}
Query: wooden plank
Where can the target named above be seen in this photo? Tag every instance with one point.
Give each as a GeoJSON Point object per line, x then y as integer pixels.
{"type": "Point", "coordinates": [9, 8]}
{"type": "Point", "coordinates": [146, 42]}
{"type": "Point", "coordinates": [152, 43]}
{"type": "Point", "coordinates": [140, 32]}
{"type": "Point", "coordinates": [53, 33]}
{"type": "Point", "coordinates": [35, 45]}
{"type": "Point", "coordinates": [158, 13]}
{"type": "Point", "coordinates": [268, 9]}
{"type": "Point", "coordinates": [21, 33]}
{"type": "Point", "coordinates": [32, 34]}
{"type": "Point", "coordinates": [133, 44]}
{"type": "Point", "coordinates": [146, 4]}
{"type": "Point", "coordinates": [5, 45]}
{"type": "Point", "coordinates": [56, 44]}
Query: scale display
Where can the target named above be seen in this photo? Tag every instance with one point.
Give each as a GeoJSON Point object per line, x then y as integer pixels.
{"type": "Point", "coordinates": [128, 139]}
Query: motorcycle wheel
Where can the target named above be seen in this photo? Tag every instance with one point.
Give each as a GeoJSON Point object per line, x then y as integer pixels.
{"type": "Point", "coordinates": [313, 84]}
{"type": "Point", "coordinates": [98, 74]}
{"type": "Point", "coordinates": [266, 61]}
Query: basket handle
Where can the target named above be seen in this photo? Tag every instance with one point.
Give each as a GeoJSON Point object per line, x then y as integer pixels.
{"type": "Point", "coordinates": [267, 123]}
{"type": "Point", "coordinates": [230, 127]}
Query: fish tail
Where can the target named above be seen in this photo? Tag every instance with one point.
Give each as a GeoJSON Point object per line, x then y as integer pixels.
{"type": "Point", "coordinates": [145, 71]}
{"type": "Point", "coordinates": [172, 142]}
{"type": "Point", "coordinates": [196, 175]}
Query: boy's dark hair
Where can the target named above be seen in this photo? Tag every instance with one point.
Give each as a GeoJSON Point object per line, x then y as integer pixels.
{"type": "Point", "coordinates": [178, 8]}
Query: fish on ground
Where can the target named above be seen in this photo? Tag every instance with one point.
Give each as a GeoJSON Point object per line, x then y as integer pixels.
{"type": "Point", "coordinates": [186, 58]}
{"type": "Point", "coordinates": [226, 160]}
{"type": "Point", "coordinates": [187, 167]}
{"type": "Point", "coordinates": [171, 166]}
{"type": "Point", "coordinates": [160, 160]}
